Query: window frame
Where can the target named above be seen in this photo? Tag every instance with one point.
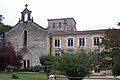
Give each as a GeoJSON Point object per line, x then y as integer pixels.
{"type": "Point", "coordinates": [96, 41]}
{"type": "Point", "coordinates": [54, 43]}
{"type": "Point", "coordinates": [71, 46]}
{"type": "Point", "coordinates": [23, 37]}
{"type": "Point", "coordinates": [59, 24]}
{"type": "Point", "coordinates": [82, 41]}
{"type": "Point", "coordinates": [57, 53]}
{"type": "Point", "coordinates": [96, 36]}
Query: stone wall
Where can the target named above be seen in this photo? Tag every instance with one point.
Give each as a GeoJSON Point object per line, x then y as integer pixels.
{"type": "Point", "coordinates": [67, 24]}
{"type": "Point", "coordinates": [37, 39]}
{"type": "Point", "coordinates": [88, 42]}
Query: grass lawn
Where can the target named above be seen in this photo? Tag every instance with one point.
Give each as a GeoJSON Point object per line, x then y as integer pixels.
{"type": "Point", "coordinates": [4, 76]}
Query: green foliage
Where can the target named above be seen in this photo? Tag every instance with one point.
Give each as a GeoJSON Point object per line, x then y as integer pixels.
{"type": "Point", "coordinates": [5, 28]}
{"type": "Point", "coordinates": [49, 63]}
{"type": "Point", "coordinates": [110, 56]}
{"type": "Point", "coordinates": [110, 61]}
{"type": "Point", "coordinates": [24, 70]}
{"type": "Point", "coordinates": [111, 39]}
{"type": "Point", "coordinates": [77, 64]}
{"type": "Point", "coordinates": [37, 68]}
{"type": "Point", "coordinates": [116, 70]}
{"type": "Point", "coordinates": [105, 60]}
{"type": "Point", "coordinates": [15, 76]}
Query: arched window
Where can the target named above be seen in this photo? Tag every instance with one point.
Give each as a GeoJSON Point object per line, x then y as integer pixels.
{"type": "Point", "coordinates": [25, 38]}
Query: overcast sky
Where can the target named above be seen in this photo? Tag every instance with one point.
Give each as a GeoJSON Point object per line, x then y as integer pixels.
{"type": "Point", "coordinates": [89, 14]}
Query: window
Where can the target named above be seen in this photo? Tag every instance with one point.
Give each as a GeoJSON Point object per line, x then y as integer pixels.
{"type": "Point", "coordinates": [57, 54]}
{"type": "Point", "coordinates": [57, 43]}
{"type": "Point", "coordinates": [59, 24]}
{"type": "Point", "coordinates": [70, 42]}
{"type": "Point", "coordinates": [24, 61]}
{"type": "Point", "coordinates": [28, 63]}
{"type": "Point", "coordinates": [25, 38]}
{"type": "Point", "coordinates": [81, 41]}
{"type": "Point", "coordinates": [53, 25]}
{"type": "Point", "coordinates": [96, 41]}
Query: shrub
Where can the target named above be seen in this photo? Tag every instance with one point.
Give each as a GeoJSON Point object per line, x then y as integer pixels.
{"type": "Point", "coordinates": [78, 64]}
{"type": "Point", "coordinates": [8, 56]}
{"type": "Point", "coordinates": [25, 69]}
{"type": "Point", "coordinates": [15, 76]}
{"type": "Point", "coordinates": [49, 63]}
{"type": "Point", "coordinates": [37, 68]}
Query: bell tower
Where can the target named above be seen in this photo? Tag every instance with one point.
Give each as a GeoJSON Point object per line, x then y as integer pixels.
{"type": "Point", "coordinates": [26, 14]}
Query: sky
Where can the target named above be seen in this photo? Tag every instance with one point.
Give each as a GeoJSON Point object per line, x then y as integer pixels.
{"type": "Point", "coordinates": [89, 14]}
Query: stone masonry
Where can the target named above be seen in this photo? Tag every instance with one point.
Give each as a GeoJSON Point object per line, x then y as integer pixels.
{"type": "Point", "coordinates": [32, 41]}
{"type": "Point", "coordinates": [29, 39]}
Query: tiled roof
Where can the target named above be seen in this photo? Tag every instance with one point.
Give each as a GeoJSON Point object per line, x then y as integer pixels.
{"type": "Point", "coordinates": [62, 33]}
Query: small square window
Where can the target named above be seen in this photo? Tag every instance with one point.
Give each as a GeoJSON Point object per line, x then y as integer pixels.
{"type": "Point", "coordinates": [57, 54]}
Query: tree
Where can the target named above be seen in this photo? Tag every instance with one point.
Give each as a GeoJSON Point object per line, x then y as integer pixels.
{"type": "Point", "coordinates": [78, 64]}
{"type": "Point", "coordinates": [8, 57]}
{"type": "Point", "coordinates": [110, 56]}
{"type": "Point", "coordinates": [5, 28]}
{"type": "Point", "coordinates": [49, 63]}
{"type": "Point", "coordinates": [111, 39]}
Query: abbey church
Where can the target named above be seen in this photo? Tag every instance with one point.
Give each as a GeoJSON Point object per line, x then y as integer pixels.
{"type": "Point", "coordinates": [32, 40]}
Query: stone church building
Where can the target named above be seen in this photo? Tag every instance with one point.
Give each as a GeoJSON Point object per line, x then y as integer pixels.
{"type": "Point", "coordinates": [32, 40]}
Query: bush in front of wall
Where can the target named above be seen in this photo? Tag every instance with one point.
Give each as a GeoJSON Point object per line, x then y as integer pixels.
{"type": "Point", "coordinates": [15, 76]}
{"type": "Point", "coordinates": [37, 68]}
